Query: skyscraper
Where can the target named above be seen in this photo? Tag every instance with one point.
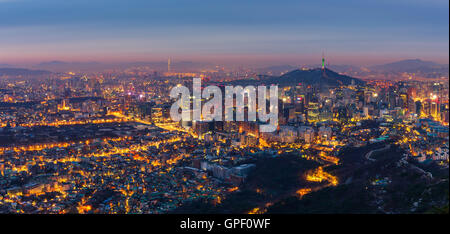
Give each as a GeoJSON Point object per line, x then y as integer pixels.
{"type": "Point", "coordinates": [168, 65]}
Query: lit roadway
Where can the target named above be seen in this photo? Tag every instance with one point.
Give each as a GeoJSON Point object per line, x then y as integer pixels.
{"type": "Point", "coordinates": [166, 126]}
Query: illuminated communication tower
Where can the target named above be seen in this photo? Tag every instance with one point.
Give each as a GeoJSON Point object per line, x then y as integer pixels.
{"type": "Point", "coordinates": [323, 61]}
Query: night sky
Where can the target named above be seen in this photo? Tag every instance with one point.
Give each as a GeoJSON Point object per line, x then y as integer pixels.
{"type": "Point", "coordinates": [282, 31]}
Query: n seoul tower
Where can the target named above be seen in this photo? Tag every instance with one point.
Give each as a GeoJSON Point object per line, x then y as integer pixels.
{"type": "Point", "coordinates": [323, 61]}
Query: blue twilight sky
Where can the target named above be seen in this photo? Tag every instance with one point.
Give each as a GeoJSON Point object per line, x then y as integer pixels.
{"type": "Point", "coordinates": [271, 31]}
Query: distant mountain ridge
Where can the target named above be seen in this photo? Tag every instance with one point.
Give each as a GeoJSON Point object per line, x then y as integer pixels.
{"type": "Point", "coordinates": [409, 65]}
{"type": "Point", "coordinates": [62, 66]}
{"type": "Point", "coordinates": [4, 65]}
{"type": "Point", "coordinates": [275, 70]}
{"type": "Point", "coordinates": [52, 63]}
{"type": "Point", "coordinates": [22, 72]}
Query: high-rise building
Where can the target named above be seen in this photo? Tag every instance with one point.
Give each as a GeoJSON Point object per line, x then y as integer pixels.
{"type": "Point", "coordinates": [168, 65]}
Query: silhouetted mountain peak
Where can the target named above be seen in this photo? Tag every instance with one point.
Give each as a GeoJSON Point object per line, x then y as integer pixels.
{"type": "Point", "coordinates": [322, 77]}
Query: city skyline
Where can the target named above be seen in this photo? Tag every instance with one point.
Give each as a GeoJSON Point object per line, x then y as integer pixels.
{"type": "Point", "coordinates": [250, 32]}
{"type": "Point", "coordinates": [185, 107]}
